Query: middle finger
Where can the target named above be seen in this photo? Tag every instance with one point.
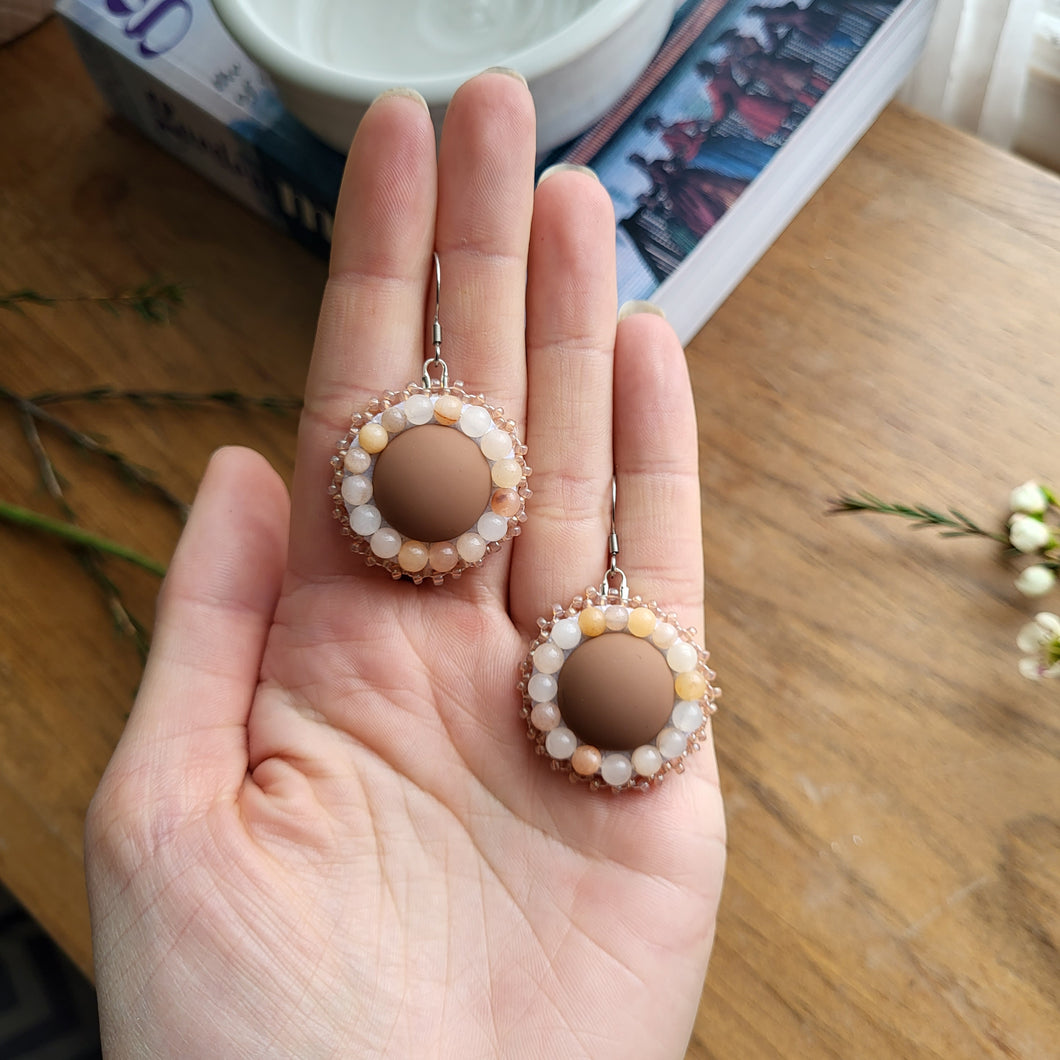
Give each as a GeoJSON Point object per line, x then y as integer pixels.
{"type": "Point", "coordinates": [485, 200]}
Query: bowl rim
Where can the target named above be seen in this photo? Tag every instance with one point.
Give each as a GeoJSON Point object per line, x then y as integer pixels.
{"type": "Point", "coordinates": [280, 59]}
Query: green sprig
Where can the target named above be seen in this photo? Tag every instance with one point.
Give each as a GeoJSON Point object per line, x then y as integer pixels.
{"type": "Point", "coordinates": [13, 513]}
{"type": "Point", "coordinates": [182, 399]}
{"type": "Point", "coordinates": [153, 301]}
{"type": "Point", "coordinates": [951, 523]}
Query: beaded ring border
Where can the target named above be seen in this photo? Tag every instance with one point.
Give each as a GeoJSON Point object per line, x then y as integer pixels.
{"type": "Point", "coordinates": [599, 613]}
{"type": "Point", "coordinates": [390, 414]}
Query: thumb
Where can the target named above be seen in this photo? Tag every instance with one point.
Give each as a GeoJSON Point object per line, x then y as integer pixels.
{"type": "Point", "coordinates": [185, 743]}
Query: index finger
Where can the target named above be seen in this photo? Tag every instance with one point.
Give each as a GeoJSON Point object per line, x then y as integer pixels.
{"type": "Point", "coordinates": [370, 336]}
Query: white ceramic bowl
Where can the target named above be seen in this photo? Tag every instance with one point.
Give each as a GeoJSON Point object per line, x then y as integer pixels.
{"type": "Point", "coordinates": [331, 58]}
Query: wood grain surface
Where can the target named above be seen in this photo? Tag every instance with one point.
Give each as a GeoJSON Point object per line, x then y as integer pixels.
{"type": "Point", "coordinates": [892, 783]}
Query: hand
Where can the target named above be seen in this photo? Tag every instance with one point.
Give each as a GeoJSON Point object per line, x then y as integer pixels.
{"type": "Point", "coordinates": [324, 831]}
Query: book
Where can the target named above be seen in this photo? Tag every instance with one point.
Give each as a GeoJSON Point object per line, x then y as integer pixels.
{"type": "Point", "coordinates": [743, 113]}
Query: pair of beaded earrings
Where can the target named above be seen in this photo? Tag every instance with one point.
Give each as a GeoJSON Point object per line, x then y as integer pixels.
{"type": "Point", "coordinates": [431, 479]}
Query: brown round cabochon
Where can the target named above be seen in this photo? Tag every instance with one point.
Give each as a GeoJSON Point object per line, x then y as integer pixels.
{"type": "Point", "coordinates": [615, 691]}
{"type": "Point", "coordinates": [431, 483]}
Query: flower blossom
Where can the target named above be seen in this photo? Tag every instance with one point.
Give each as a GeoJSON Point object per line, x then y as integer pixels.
{"type": "Point", "coordinates": [1036, 580]}
{"type": "Point", "coordinates": [1040, 639]}
{"type": "Point", "coordinates": [1028, 533]}
{"type": "Point", "coordinates": [1030, 498]}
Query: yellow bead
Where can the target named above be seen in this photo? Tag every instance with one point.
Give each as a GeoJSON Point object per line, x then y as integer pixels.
{"type": "Point", "coordinates": [642, 621]}
{"type": "Point", "coordinates": [591, 621]}
{"type": "Point", "coordinates": [507, 473]}
{"type": "Point", "coordinates": [373, 437]}
{"type": "Point", "coordinates": [413, 556]}
{"type": "Point", "coordinates": [691, 685]}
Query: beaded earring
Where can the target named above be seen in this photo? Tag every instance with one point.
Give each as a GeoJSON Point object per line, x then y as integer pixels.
{"type": "Point", "coordinates": [430, 479]}
{"type": "Point", "coordinates": [615, 692]}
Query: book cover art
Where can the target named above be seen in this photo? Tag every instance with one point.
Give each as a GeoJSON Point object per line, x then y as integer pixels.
{"type": "Point", "coordinates": [732, 82]}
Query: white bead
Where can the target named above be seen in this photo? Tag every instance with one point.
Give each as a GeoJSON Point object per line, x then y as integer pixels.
{"type": "Point", "coordinates": [687, 716]}
{"type": "Point", "coordinates": [682, 656]}
{"type": "Point", "coordinates": [541, 688]}
{"type": "Point", "coordinates": [356, 489]}
{"type": "Point", "coordinates": [560, 743]}
{"type": "Point", "coordinates": [365, 520]}
{"type": "Point", "coordinates": [545, 717]}
{"type": "Point", "coordinates": [419, 409]}
{"type": "Point", "coordinates": [496, 445]}
{"type": "Point", "coordinates": [672, 744]}
{"type": "Point", "coordinates": [566, 633]}
{"type": "Point", "coordinates": [492, 527]}
{"type": "Point", "coordinates": [616, 617]}
{"type": "Point", "coordinates": [616, 770]}
{"type": "Point", "coordinates": [548, 657]}
{"type": "Point", "coordinates": [357, 460]}
{"type": "Point", "coordinates": [475, 421]}
{"type": "Point", "coordinates": [385, 543]}
{"type": "Point", "coordinates": [663, 635]}
{"type": "Point", "coordinates": [647, 760]}
{"type": "Point", "coordinates": [470, 547]}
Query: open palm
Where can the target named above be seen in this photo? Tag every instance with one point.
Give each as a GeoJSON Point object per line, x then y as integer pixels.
{"type": "Point", "coordinates": [325, 832]}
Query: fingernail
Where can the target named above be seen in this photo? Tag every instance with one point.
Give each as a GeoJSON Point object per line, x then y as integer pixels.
{"type": "Point", "coordinates": [404, 92]}
{"type": "Point", "coordinates": [637, 306]}
{"type": "Point", "coordinates": [507, 71]}
{"type": "Point", "coordinates": [566, 167]}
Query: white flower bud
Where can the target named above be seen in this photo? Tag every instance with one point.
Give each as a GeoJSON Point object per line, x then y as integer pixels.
{"type": "Point", "coordinates": [1030, 498]}
{"type": "Point", "coordinates": [1028, 534]}
{"type": "Point", "coordinates": [1041, 640]}
{"type": "Point", "coordinates": [1036, 580]}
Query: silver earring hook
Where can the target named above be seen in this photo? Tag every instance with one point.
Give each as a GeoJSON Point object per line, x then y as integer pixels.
{"type": "Point", "coordinates": [436, 335]}
{"type": "Point", "coordinates": [614, 572]}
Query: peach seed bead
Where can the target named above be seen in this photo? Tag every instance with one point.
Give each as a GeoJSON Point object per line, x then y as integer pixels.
{"type": "Point", "coordinates": [357, 461]}
{"type": "Point", "coordinates": [545, 717]}
{"type": "Point", "coordinates": [586, 760]}
{"type": "Point", "coordinates": [682, 656]}
{"type": "Point", "coordinates": [616, 617]}
{"type": "Point", "coordinates": [541, 688]}
{"type": "Point", "coordinates": [373, 437]}
{"type": "Point", "coordinates": [507, 473]}
{"type": "Point", "coordinates": [663, 635]}
{"type": "Point", "coordinates": [365, 520]}
{"type": "Point", "coordinates": [642, 621]}
{"type": "Point", "coordinates": [496, 444]}
{"type": "Point", "coordinates": [591, 621]}
{"type": "Point", "coordinates": [686, 717]}
{"type": "Point", "coordinates": [394, 420]}
{"type": "Point", "coordinates": [561, 743]}
{"type": "Point", "coordinates": [690, 685]}
{"type": "Point", "coordinates": [475, 420]}
{"type": "Point", "coordinates": [492, 527]}
{"type": "Point", "coordinates": [506, 502]}
{"type": "Point", "coordinates": [566, 633]}
{"type": "Point", "coordinates": [471, 547]}
{"type": "Point", "coordinates": [413, 556]}
{"type": "Point", "coordinates": [443, 556]}
{"type": "Point", "coordinates": [356, 489]}
{"type": "Point", "coordinates": [447, 409]}
{"type": "Point", "coordinates": [616, 770]}
{"type": "Point", "coordinates": [385, 543]}
{"type": "Point", "coordinates": [548, 658]}
{"type": "Point", "coordinates": [647, 760]}
{"type": "Point", "coordinates": [672, 744]}
{"type": "Point", "coordinates": [419, 409]}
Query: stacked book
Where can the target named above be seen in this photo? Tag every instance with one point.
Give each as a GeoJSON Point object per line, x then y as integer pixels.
{"type": "Point", "coordinates": [743, 113]}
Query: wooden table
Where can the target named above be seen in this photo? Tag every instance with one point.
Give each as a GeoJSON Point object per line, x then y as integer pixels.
{"type": "Point", "coordinates": [892, 783]}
